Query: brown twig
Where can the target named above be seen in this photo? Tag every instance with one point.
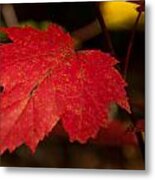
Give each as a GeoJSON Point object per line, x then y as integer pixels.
{"type": "Point", "coordinates": [126, 64]}
{"type": "Point", "coordinates": [105, 30]}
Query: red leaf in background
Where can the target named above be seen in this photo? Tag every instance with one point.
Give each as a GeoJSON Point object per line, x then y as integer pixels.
{"type": "Point", "coordinates": [44, 79]}
{"type": "Point", "coordinates": [140, 125]}
{"type": "Point", "coordinates": [116, 134]}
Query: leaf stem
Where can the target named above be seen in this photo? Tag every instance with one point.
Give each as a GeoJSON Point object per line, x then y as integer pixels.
{"type": "Point", "coordinates": [86, 32]}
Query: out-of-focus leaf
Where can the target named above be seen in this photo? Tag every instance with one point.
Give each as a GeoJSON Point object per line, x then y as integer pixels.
{"type": "Point", "coordinates": [121, 15]}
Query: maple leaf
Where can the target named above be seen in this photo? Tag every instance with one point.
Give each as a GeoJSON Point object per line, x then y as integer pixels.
{"type": "Point", "coordinates": [28, 109]}
{"type": "Point", "coordinates": [44, 80]}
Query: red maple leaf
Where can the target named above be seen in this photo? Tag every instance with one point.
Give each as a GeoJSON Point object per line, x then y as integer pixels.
{"type": "Point", "coordinates": [45, 80]}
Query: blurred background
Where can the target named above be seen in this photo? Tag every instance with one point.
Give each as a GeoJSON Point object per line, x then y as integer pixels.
{"type": "Point", "coordinates": [111, 27]}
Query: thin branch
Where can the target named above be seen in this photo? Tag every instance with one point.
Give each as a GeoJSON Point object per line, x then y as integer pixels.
{"type": "Point", "coordinates": [131, 45]}
{"type": "Point", "coordinates": [105, 30]}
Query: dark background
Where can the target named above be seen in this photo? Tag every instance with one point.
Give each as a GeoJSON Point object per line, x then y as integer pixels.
{"type": "Point", "coordinates": [57, 151]}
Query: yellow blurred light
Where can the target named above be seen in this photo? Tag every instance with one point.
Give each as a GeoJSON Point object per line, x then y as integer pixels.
{"type": "Point", "coordinates": [120, 15]}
